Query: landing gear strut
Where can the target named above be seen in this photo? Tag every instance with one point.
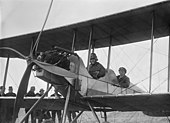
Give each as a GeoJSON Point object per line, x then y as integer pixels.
{"type": "Point", "coordinates": [94, 113]}
{"type": "Point", "coordinates": [66, 105]}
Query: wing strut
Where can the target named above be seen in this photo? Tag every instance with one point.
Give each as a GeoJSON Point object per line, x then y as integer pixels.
{"type": "Point", "coordinates": [74, 40]}
{"type": "Point", "coordinates": [66, 104]}
{"type": "Point", "coordinates": [94, 113]}
{"type": "Point", "coordinates": [5, 75]}
{"type": "Point", "coordinates": [77, 117]}
{"type": "Point", "coordinates": [168, 84]}
{"type": "Point", "coordinates": [35, 104]}
{"type": "Point", "coordinates": [89, 47]}
{"type": "Point", "coordinates": [108, 60]}
{"type": "Point", "coordinates": [151, 53]}
{"type": "Point", "coordinates": [105, 116]}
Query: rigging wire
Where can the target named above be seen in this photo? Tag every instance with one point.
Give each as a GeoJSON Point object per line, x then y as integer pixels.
{"type": "Point", "coordinates": [114, 90]}
{"type": "Point", "coordinates": [159, 85]}
{"type": "Point", "coordinates": [133, 68]}
{"type": "Point", "coordinates": [80, 119]}
{"type": "Point", "coordinates": [38, 39]}
{"type": "Point", "coordinates": [118, 56]}
{"type": "Point", "coordinates": [105, 54]}
{"type": "Point", "coordinates": [160, 52]}
{"type": "Point", "coordinates": [147, 78]}
{"type": "Point", "coordinates": [144, 88]}
{"type": "Point", "coordinates": [137, 63]}
{"type": "Point", "coordinates": [148, 49]}
{"type": "Point", "coordinates": [12, 80]}
{"type": "Point", "coordinates": [141, 57]}
{"type": "Point", "coordinates": [155, 51]}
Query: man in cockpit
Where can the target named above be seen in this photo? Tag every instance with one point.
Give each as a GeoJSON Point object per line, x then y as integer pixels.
{"type": "Point", "coordinates": [96, 69]}
{"type": "Point", "coordinates": [123, 80]}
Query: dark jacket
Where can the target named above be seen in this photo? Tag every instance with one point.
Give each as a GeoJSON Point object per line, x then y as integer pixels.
{"type": "Point", "coordinates": [124, 81]}
{"type": "Point", "coordinates": [11, 94]}
{"type": "Point", "coordinates": [30, 94]}
{"type": "Point", "coordinates": [97, 70]}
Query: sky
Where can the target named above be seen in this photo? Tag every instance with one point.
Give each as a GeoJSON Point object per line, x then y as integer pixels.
{"type": "Point", "coordinates": [25, 16]}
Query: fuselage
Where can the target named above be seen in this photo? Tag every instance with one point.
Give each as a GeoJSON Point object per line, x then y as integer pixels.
{"type": "Point", "coordinates": [85, 84]}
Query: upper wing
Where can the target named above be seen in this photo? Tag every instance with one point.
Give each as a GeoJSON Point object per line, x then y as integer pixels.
{"type": "Point", "coordinates": [126, 27]}
{"type": "Point", "coordinates": [132, 102]}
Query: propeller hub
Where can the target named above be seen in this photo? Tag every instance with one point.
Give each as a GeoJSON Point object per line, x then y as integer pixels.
{"type": "Point", "coordinates": [29, 59]}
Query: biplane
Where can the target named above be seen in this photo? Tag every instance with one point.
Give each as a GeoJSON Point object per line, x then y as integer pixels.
{"type": "Point", "coordinates": [88, 94]}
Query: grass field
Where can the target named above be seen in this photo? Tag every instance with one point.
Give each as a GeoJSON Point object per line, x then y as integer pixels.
{"type": "Point", "coordinates": [115, 117]}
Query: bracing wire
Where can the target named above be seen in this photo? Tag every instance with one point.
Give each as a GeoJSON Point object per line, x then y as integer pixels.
{"type": "Point", "coordinates": [140, 58]}
{"type": "Point", "coordinates": [145, 88]}
{"type": "Point", "coordinates": [114, 90]}
{"type": "Point", "coordinates": [12, 80]}
{"type": "Point", "coordinates": [138, 62]}
{"type": "Point", "coordinates": [159, 85]}
{"type": "Point", "coordinates": [118, 56]}
{"type": "Point", "coordinates": [147, 78]}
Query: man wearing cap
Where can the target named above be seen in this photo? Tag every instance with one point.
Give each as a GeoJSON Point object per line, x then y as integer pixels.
{"type": "Point", "coordinates": [2, 90]}
{"type": "Point", "coordinates": [10, 92]}
{"type": "Point", "coordinates": [41, 92]}
{"type": "Point", "coordinates": [31, 93]}
{"type": "Point", "coordinates": [123, 80]}
{"type": "Point", "coordinates": [96, 70]}
{"type": "Point", "coordinates": [3, 106]}
{"type": "Point", "coordinates": [10, 108]}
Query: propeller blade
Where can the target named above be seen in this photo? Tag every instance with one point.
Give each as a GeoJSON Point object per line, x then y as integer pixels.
{"type": "Point", "coordinates": [22, 91]}
{"type": "Point", "coordinates": [13, 50]}
{"type": "Point", "coordinates": [55, 70]}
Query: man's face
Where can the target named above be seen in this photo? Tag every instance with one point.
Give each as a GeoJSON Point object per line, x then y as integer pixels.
{"type": "Point", "coordinates": [10, 90]}
{"type": "Point", "coordinates": [2, 90]}
{"type": "Point", "coordinates": [72, 67]}
{"type": "Point", "coordinates": [93, 61]}
{"type": "Point", "coordinates": [32, 88]}
{"type": "Point", "coordinates": [121, 72]}
{"type": "Point", "coordinates": [42, 92]}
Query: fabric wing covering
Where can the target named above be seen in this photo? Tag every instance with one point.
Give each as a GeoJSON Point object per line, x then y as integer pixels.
{"type": "Point", "coordinates": [125, 27]}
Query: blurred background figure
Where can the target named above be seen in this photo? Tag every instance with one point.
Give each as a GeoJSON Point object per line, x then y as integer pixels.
{"type": "Point", "coordinates": [10, 108]}
{"type": "Point", "coordinates": [2, 91]}
{"type": "Point", "coordinates": [41, 92]}
{"type": "Point", "coordinates": [31, 93]}
{"type": "Point", "coordinates": [10, 92]}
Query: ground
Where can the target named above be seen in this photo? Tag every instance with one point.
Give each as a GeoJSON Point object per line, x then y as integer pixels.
{"type": "Point", "coordinates": [115, 117]}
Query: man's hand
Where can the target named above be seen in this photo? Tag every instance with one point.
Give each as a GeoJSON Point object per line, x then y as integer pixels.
{"type": "Point", "coordinates": [96, 73]}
